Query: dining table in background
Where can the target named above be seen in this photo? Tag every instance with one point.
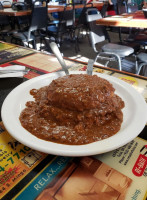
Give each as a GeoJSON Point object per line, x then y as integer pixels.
{"type": "Point", "coordinates": [51, 9]}
{"type": "Point", "coordinates": [132, 20]}
{"type": "Point", "coordinates": [98, 5]}
{"type": "Point", "coordinates": [14, 13]}
{"type": "Point", "coordinates": [26, 173]}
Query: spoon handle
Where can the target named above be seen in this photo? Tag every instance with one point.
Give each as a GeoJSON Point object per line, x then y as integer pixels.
{"type": "Point", "coordinates": [57, 53]}
{"type": "Point", "coordinates": [90, 66]}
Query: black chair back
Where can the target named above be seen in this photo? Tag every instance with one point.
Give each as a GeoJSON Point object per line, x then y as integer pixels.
{"type": "Point", "coordinates": [82, 17]}
{"type": "Point", "coordinates": [104, 9]}
{"type": "Point", "coordinates": [38, 18]}
{"type": "Point", "coordinates": [66, 18]}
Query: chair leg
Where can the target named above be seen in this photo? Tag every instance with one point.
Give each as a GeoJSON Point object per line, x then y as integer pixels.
{"type": "Point", "coordinates": [136, 64]}
{"type": "Point", "coordinates": [34, 44]}
{"type": "Point", "coordinates": [119, 62]}
{"type": "Point", "coordinates": [120, 38]}
{"type": "Point", "coordinates": [76, 39]}
{"type": "Point", "coordinates": [47, 46]}
{"type": "Point", "coordinates": [104, 55]}
{"type": "Point", "coordinates": [88, 36]}
{"type": "Point", "coordinates": [77, 48]}
{"type": "Point", "coordinates": [78, 32]}
{"type": "Point", "coordinates": [41, 43]}
{"type": "Point", "coordinates": [140, 67]}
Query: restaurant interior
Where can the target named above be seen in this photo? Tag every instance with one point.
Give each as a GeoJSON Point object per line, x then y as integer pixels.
{"type": "Point", "coordinates": [73, 94]}
{"type": "Point", "coordinates": [70, 26]}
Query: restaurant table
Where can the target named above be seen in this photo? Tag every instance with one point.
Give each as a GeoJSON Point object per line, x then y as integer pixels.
{"type": "Point", "coordinates": [28, 174]}
{"type": "Point", "coordinates": [14, 13]}
{"type": "Point", "coordinates": [133, 20]}
{"type": "Point", "coordinates": [51, 9]}
{"type": "Point", "coordinates": [77, 6]}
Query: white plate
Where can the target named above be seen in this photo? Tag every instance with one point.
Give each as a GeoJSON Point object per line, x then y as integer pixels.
{"type": "Point", "coordinates": [135, 118]}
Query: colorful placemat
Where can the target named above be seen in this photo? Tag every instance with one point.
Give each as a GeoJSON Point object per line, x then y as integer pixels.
{"type": "Point", "coordinates": [45, 63]}
{"type": "Point", "coordinates": [83, 67]}
{"type": "Point", "coordinates": [139, 84]}
{"type": "Point", "coordinates": [4, 46]}
{"type": "Point", "coordinates": [13, 53]}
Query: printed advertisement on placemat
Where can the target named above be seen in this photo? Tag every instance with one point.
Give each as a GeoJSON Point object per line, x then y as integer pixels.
{"type": "Point", "coordinates": [13, 53]}
{"type": "Point", "coordinates": [139, 84]}
{"type": "Point", "coordinates": [16, 162]}
{"type": "Point", "coordinates": [4, 46]}
{"type": "Point", "coordinates": [108, 176]}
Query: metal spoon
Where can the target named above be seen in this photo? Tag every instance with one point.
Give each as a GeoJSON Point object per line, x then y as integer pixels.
{"type": "Point", "coordinates": [57, 53]}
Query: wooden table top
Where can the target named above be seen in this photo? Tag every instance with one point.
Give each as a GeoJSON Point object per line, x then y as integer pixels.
{"type": "Point", "coordinates": [51, 9]}
{"type": "Point", "coordinates": [136, 20]}
{"type": "Point", "coordinates": [60, 6]}
{"type": "Point", "coordinates": [11, 12]}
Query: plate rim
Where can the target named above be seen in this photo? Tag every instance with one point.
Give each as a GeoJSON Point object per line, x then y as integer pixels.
{"type": "Point", "coordinates": [89, 147]}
